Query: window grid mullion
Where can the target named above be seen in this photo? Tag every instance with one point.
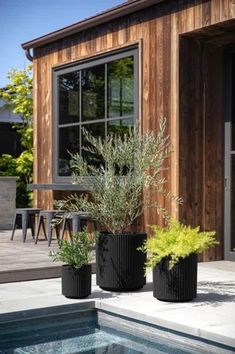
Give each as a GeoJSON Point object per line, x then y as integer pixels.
{"type": "Point", "coordinates": [105, 119]}
{"type": "Point", "coordinates": [101, 120]}
{"type": "Point", "coordinates": [106, 98]}
{"type": "Point", "coordinates": [80, 112]}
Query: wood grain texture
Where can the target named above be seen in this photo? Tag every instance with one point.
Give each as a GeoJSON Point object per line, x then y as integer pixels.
{"type": "Point", "coordinates": [171, 84]}
{"type": "Point", "coordinates": [201, 146]}
{"type": "Point", "coordinates": [191, 133]}
{"type": "Point", "coordinates": [213, 146]}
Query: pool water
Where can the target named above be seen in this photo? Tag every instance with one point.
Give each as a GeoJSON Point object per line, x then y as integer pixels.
{"type": "Point", "coordinates": [88, 332]}
{"type": "Point", "coordinates": [99, 342]}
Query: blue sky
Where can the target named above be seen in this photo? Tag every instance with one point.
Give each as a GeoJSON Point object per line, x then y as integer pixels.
{"type": "Point", "coordinates": [23, 20]}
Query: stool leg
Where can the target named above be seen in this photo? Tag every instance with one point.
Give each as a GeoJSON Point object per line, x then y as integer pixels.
{"type": "Point", "coordinates": [76, 223]}
{"type": "Point", "coordinates": [63, 228]}
{"type": "Point", "coordinates": [69, 229]}
{"type": "Point", "coordinates": [44, 229]}
{"type": "Point", "coordinates": [57, 230]}
{"type": "Point", "coordinates": [32, 224]}
{"type": "Point", "coordinates": [40, 220]}
{"type": "Point", "coordinates": [49, 229]}
{"type": "Point", "coordinates": [25, 221]}
{"type": "Point", "coordinates": [14, 227]}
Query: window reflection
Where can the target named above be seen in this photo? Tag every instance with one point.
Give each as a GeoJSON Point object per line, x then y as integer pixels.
{"type": "Point", "coordinates": [99, 98]}
{"type": "Point", "coordinates": [68, 142]}
{"type": "Point", "coordinates": [121, 87]}
{"type": "Point", "coordinates": [69, 98]}
{"type": "Point", "coordinates": [97, 130]}
{"type": "Point", "coordinates": [93, 93]}
{"type": "Point", "coordinates": [120, 126]}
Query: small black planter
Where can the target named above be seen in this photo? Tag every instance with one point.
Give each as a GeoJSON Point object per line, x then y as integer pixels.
{"type": "Point", "coordinates": [76, 283]}
{"type": "Point", "coordinates": [120, 267]}
{"type": "Point", "coordinates": [179, 283]}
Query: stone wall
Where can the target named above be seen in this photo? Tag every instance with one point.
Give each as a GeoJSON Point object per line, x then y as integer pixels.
{"type": "Point", "coordinates": [7, 201]}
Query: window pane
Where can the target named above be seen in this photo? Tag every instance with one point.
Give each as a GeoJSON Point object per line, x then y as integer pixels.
{"type": "Point", "coordinates": [97, 130]}
{"type": "Point", "coordinates": [69, 98]}
{"type": "Point", "coordinates": [93, 93]}
{"type": "Point", "coordinates": [120, 126]}
{"type": "Point", "coordinates": [68, 141]}
{"type": "Point", "coordinates": [121, 87]}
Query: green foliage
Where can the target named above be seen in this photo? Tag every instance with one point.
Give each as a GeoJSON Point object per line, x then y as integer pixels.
{"type": "Point", "coordinates": [18, 96]}
{"type": "Point", "coordinates": [121, 69]}
{"type": "Point", "coordinates": [122, 189]}
{"type": "Point", "coordinates": [176, 241]}
{"type": "Point", "coordinates": [7, 165]}
{"type": "Point", "coordinates": [22, 168]}
{"type": "Point", "coordinates": [75, 252]}
{"type": "Point", "coordinates": [26, 135]}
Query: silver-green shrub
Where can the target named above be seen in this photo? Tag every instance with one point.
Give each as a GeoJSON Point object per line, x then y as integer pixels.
{"type": "Point", "coordinates": [127, 182]}
{"type": "Point", "coordinates": [75, 252]}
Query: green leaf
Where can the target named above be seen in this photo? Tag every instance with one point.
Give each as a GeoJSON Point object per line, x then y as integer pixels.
{"type": "Point", "coordinates": [121, 190]}
{"type": "Point", "coordinates": [176, 241]}
{"type": "Point", "coordinates": [75, 252]}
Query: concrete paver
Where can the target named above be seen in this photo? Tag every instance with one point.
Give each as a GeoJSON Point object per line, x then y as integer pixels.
{"type": "Point", "coordinates": [210, 316]}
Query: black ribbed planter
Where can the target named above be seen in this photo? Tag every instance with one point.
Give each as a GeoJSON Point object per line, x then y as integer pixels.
{"type": "Point", "coordinates": [119, 266]}
{"type": "Point", "coordinates": [179, 283]}
{"type": "Point", "coordinates": [76, 283]}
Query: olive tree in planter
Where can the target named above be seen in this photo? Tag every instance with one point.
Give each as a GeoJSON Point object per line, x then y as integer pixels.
{"type": "Point", "coordinates": [174, 251]}
{"type": "Point", "coordinates": [122, 187]}
{"type": "Point", "coordinates": [76, 272]}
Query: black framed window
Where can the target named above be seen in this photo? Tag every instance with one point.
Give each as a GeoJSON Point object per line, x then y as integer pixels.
{"type": "Point", "coordinates": [99, 95]}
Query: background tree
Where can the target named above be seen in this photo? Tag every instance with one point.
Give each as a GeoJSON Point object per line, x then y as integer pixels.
{"type": "Point", "coordinates": [17, 95]}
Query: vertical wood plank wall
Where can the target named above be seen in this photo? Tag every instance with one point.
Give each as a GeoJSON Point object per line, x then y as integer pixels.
{"type": "Point", "coordinates": [158, 31]}
{"type": "Point", "coordinates": [191, 131]}
{"type": "Point", "coordinates": [214, 151]}
{"type": "Point", "coordinates": [201, 137]}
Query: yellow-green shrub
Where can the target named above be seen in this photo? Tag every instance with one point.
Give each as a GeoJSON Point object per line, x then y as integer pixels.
{"type": "Point", "coordinates": [176, 241]}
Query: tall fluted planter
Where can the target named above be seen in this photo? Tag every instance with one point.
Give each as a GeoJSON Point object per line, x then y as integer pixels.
{"type": "Point", "coordinates": [120, 267]}
{"type": "Point", "coordinates": [177, 284]}
{"type": "Point", "coordinates": [76, 283]}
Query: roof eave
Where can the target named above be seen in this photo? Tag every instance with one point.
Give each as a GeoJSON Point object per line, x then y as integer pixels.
{"type": "Point", "coordinates": [122, 10]}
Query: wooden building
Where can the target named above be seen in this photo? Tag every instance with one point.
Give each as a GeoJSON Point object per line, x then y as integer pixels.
{"type": "Point", "coordinates": [179, 60]}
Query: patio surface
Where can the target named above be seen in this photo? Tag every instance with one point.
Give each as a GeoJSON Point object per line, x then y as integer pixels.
{"type": "Point", "coordinates": [25, 261]}
{"type": "Point", "coordinates": [210, 316]}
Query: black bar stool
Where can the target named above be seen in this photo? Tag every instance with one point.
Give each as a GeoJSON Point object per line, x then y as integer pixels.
{"type": "Point", "coordinates": [48, 215]}
{"type": "Point", "coordinates": [75, 222]}
{"type": "Point", "coordinates": [27, 218]}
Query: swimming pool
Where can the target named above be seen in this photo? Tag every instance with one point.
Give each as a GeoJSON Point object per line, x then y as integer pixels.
{"type": "Point", "coordinates": [84, 329]}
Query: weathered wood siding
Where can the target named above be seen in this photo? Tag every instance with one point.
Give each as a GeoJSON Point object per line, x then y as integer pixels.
{"type": "Point", "coordinates": [213, 182]}
{"type": "Point", "coordinates": [201, 166]}
{"type": "Point", "coordinates": [157, 30]}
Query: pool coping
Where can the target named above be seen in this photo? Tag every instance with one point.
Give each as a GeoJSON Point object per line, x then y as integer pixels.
{"type": "Point", "coordinates": [223, 343]}
{"type": "Point", "coordinates": [211, 316]}
{"type": "Point", "coordinates": [174, 326]}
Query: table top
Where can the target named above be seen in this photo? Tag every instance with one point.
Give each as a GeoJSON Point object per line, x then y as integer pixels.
{"type": "Point", "coordinates": [58, 187]}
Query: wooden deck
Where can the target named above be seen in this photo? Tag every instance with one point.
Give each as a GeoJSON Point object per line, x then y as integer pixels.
{"type": "Point", "coordinates": [26, 261]}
